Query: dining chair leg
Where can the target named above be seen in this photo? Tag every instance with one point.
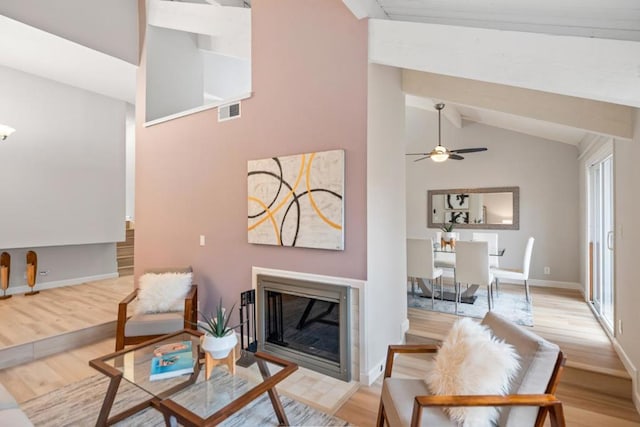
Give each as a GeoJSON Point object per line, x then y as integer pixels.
{"type": "Point", "coordinates": [433, 292]}
{"type": "Point", "coordinates": [497, 289]}
{"type": "Point", "coordinates": [456, 288]}
{"type": "Point", "coordinates": [489, 296]}
{"type": "Point", "coordinates": [526, 290]}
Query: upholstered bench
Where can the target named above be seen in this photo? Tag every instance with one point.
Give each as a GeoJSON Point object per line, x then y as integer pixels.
{"type": "Point", "coordinates": [10, 413]}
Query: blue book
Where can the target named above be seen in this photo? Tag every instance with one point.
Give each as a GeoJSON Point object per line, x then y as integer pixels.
{"type": "Point", "coordinates": [171, 365]}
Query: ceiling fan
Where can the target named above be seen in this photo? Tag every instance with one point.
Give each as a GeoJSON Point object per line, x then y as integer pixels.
{"type": "Point", "coordinates": [440, 153]}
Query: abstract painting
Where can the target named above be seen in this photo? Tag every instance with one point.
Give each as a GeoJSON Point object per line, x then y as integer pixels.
{"type": "Point", "coordinates": [297, 200]}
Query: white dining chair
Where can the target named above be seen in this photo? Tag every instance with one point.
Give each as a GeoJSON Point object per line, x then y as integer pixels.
{"type": "Point", "coordinates": [523, 274]}
{"type": "Point", "coordinates": [420, 266]}
{"type": "Point", "coordinates": [472, 268]}
{"type": "Point", "coordinates": [492, 239]}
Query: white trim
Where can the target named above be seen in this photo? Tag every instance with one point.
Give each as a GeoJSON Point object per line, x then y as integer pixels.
{"type": "Point", "coordinates": [631, 369]}
{"type": "Point", "coordinates": [13, 290]}
{"type": "Point", "coordinates": [198, 109]}
{"type": "Point", "coordinates": [553, 284]}
{"type": "Point", "coordinates": [368, 378]}
{"type": "Point", "coordinates": [353, 283]}
{"type": "Point", "coordinates": [405, 326]}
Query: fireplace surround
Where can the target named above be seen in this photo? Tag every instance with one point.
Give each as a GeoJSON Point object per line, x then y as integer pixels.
{"type": "Point", "coordinates": [306, 322]}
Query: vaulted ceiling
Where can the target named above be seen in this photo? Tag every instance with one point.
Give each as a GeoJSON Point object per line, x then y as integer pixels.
{"type": "Point", "coordinates": [512, 44]}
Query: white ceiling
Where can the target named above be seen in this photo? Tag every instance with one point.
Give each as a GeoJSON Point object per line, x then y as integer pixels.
{"type": "Point", "coordinates": [612, 19]}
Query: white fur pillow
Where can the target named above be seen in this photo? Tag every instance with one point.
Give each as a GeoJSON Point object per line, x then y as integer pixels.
{"type": "Point", "coordinates": [162, 292]}
{"type": "Point", "coordinates": [472, 361]}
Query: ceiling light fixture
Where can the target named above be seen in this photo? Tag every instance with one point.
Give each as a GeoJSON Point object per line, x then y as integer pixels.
{"type": "Point", "coordinates": [5, 131]}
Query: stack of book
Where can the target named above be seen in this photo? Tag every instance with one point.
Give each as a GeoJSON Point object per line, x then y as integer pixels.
{"type": "Point", "coordinates": [172, 360]}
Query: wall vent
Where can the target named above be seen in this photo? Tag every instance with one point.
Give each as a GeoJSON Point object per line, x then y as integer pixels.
{"type": "Point", "coordinates": [229, 111]}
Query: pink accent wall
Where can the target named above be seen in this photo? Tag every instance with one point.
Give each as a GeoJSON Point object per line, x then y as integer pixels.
{"type": "Point", "coordinates": [309, 94]}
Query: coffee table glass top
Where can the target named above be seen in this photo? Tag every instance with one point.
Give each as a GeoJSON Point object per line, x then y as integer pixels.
{"type": "Point", "coordinates": [204, 398]}
{"type": "Point", "coordinates": [135, 365]}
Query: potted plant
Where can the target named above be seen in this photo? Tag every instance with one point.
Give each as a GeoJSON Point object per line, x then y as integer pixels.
{"type": "Point", "coordinates": [447, 231]}
{"type": "Point", "coordinates": [219, 337]}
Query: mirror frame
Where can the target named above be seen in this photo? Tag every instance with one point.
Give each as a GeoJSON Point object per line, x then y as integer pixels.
{"type": "Point", "coordinates": [515, 191]}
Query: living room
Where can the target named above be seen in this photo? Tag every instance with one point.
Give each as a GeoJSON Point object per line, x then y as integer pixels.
{"type": "Point", "coordinates": [190, 173]}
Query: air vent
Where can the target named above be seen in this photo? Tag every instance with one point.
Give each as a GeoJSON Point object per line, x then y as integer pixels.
{"type": "Point", "coordinates": [229, 111]}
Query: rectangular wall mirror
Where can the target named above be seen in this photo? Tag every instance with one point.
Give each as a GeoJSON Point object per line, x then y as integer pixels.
{"type": "Point", "coordinates": [495, 208]}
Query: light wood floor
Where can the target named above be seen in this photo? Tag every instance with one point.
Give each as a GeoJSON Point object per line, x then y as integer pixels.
{"type": "Point", "coordinates": [559, 315]}
{"type": "Point", "coordinates": [59, 310]}
{"type": "Point", "coordinates": [591, 399]}
{"type": "Point", "coordinates": [554, 310]}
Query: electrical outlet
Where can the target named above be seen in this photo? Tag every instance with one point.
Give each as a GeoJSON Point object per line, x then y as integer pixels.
{"type": "Point", "coordinates": [547, 270]}
{"type": "Point", "coordinates": [44, 273]}
{"type": "Point", "coordinates": [202, 240]}
{"type": "Point", "coordinates": [620, 326]}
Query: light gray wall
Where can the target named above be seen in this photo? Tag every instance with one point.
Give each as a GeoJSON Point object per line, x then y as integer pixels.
{"type": "Point", "coordinates": [545, 171]}
{"type": "Point", "coordinates": [174, 72]}
{"type": "Point", "coordinates": [110, 26]}
{"type": "Point", "coordinates": [63, 265]}
{"type": "Point", "coordinates": [386, 308]}
{"type": "Point", "coordinates": [62, 171]}
{"type": "Point", "coordinates": [130, 159]}
{"type": "Point", "coordinates": [627, 268]}
{"type": "Point", "coordinates": [225, 76]}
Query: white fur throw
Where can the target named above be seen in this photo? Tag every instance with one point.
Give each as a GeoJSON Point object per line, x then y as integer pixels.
{"type": "Point", "coordinates": [472, 361]}
{"type": "Point", "coordinates": [162, 292]}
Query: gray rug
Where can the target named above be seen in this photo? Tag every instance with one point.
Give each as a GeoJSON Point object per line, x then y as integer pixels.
{"type": "Point", "coordinates": [78, 404]}
{"type": "Point", "coordinates": [512, 306]}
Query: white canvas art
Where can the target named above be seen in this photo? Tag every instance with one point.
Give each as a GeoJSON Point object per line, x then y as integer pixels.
{"type": "Point", "coordinates": [297, 200]}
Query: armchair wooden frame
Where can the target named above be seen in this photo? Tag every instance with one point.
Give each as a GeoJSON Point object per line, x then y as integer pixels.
{"type": "Point", "coordinates": [547, 402]}
{"type": "Point", "coordinates": [190, 318]}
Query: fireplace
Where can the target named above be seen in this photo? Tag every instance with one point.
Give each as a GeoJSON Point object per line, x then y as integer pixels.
{"type": "Point", "coordinates": [306, 322]}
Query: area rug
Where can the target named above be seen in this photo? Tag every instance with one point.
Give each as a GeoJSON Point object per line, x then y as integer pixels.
{"type": "Point", "coordinates": [512, 306]}
{"type": "Point", "coordinates": [78, 404]}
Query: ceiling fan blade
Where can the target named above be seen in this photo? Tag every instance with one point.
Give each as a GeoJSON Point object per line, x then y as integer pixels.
{"type": "Point", "coordinates": [422, 158]}
{"type": "Point", "coordinates": [455, 156]}
{"type": "Point", "coordinates": [418, 154]}
{"type": "Point", "coordinates": [469, 150]}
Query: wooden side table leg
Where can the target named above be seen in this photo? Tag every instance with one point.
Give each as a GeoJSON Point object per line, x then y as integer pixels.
{"type": "Point", "coordinates": [273, 395]}
{"type": "Point", "coordinates": [208, 365]}
{"type": "Point", "coordinates": [108, 401]}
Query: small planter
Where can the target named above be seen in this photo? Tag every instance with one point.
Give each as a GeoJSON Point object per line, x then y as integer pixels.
{"type": "Point", "coordinates": [219, 347]}
{"type": "Point", "coordinates": [448, 236]}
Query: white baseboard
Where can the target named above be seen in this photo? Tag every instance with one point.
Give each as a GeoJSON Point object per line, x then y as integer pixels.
{"type": "Point", "coordinates": [405, 327]}
{"type": "Point", "coordinates": [59, 283]}
{"type": "Point", "coordinates": [368, 378]}
{"type": "Point", "coordinates": [554, 284]}
{"type": "Point", "coordinates": [631, 369]}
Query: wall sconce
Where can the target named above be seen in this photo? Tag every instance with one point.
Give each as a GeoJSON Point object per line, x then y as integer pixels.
{"type": "Point", "coordinates": [5, 131]}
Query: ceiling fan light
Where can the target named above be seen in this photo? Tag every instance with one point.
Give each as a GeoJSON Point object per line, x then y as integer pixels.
{"type": "Point", "coordinates": [439, 154]}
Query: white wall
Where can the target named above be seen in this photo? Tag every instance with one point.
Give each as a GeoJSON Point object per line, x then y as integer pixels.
{"type": "Point", "coordinates": [627, 268]}
{"type": "Point", "coordinates": [386, 305]}
{"type": "Point", "coordinates": [130, 159]}
{"type": "Point", "coordinates": [226, 77]}
{"type": "Point", "coordinates": [174, 72]}
{"type": "Point", "coordinates": [545, 171]}
{"type": "Point", "coordinates": [62, 171]}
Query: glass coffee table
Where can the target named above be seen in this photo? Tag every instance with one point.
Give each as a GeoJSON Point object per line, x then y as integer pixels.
{"type": "Point", "coordinates": [190, 399]}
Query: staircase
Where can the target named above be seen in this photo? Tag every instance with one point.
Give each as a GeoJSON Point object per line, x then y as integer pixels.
{"type": "Point", "coordinates": [124, 253]}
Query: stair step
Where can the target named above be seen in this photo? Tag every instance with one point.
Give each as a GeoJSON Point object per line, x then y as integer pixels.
{"type": "Point", "coordinates": [125, 251]}
{"type": "Point", "coordinates": [125, 271]}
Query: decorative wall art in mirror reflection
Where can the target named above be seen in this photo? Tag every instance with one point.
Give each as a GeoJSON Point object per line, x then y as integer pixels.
{"type": "Point", "coordinates": [297, 200]}
{"type": "Point", "coordinates": [477, 208]}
